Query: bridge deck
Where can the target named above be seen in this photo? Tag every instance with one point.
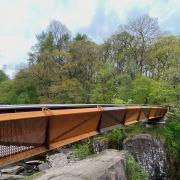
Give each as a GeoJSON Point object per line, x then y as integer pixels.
{"type": "Point", "coordinates": [28, 130]}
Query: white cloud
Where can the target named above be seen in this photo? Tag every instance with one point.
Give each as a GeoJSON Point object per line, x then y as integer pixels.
{"type": "Point", "coordinates": [13, 50]}
{"type": "Point", "coordinates": [21, 20]}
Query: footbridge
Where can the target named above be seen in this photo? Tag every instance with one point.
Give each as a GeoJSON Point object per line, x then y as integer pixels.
{"type": "Point", "coordinates": [29, 130]}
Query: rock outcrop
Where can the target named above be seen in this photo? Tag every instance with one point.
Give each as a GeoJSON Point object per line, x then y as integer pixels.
{"type": "Point", "coordinates": [149, 151]}
{"type": "Point", "coordinates": [109, 165]}
{"type": "Point", "coordinates": [12, 170]}
{"type": "Point", "coordinates": [99, 144]}
{"type": "Point", "coordinates": [11, 177]}
{"type": "Point", "coordinates": [57, 160]}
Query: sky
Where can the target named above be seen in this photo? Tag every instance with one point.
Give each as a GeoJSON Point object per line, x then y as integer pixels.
{"type": "Point", "coordinates": [21, 20]}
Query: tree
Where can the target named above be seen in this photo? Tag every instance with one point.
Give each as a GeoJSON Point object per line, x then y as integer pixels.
{"type": "Point", "coordinates": [120, 51]}
{"type": "Point", "coordinates": [8, 92]}
{"type": "Point", "coordinates": [3, 76]}
{"type": "Point", "coordinates": [163, 55]}
{"type": "Point", "coordinates": [83, 64]}
{"type": "Point", "coordinates": [26, 89]}
{"type": "Point", "coordinates": [144, 29]}
{"type": "Point", "coordinates": [135, 65]}
{"type": "Point", "coordinates": [60, 33]}
{"type": "Point", "coordinates": [104, 88]}
{"type": "Point", "coordinates": [149, 91]}
{"type": "Point", "coordinates": [55, 38]}
{"type": "Point", "coordinates": [80, 37]}
{"type": "Point", "coordinates": [164, 61]}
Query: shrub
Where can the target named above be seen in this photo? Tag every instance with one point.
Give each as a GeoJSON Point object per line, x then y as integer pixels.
{"type": "Point", "coordinates": [116, 136]}
{"type": "Point", "coordinates": [81, 151]}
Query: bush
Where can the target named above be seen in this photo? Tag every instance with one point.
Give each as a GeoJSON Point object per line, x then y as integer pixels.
{"type": "Point", "coordinates": [116, 136]}
{"type": "Point", "coordinates": [81, 151]}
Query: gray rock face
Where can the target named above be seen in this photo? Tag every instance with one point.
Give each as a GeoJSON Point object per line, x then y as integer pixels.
{"type": "Point", "coordinates": [12, 170]}
{"type": "Point", "coordinates": [57, 160]}
{"type": "Point", "coordinates": [8, 177]}
{"type": "Point", "coordinates": [150, 152]}
{"type": "Point", "coordinates": [43, 166]}
{"type": "Point", "coordinates": [99, 145]}
{"type": "Point", "coordinates": [108, 165]}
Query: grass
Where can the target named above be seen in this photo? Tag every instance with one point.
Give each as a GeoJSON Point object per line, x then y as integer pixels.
{"type": "Point", "coordinates": [81, 151]}
{"type": "Point", "coordinates": [135, 171]}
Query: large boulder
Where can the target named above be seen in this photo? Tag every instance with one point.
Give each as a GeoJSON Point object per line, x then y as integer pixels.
{"type": "Point", "coordinates": [149, 151]}
{"type": "Point", "coordinates": [109, 165]}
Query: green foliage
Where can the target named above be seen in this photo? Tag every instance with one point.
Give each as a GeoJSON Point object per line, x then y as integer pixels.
{"type": "Point", "coordinates": [135, 65]}
{"type": "Point", "coordinates": [13, 92]}
{"type": "Point", "coordinates": [80, 37]}
{"type": "Point", "coordinates": [18, 91]}
{"type": "Point", "coordinates": [134, 171]}
{"type": "Point", "coordinates": [3, 76]}
{"type": "Point", "coordinates": [133, 130]}
{"type": "Point", "coordinates": [81, 151]}
{"type": "Point", "coordinates": [142, 87]}
{"type": "Point", "coordinates": [171, 133]}
{"type": "Point", "coordinates": [8, 92]}
{"type": "Point", "coordinates": [125, 88]}
{"type": "Point", "coordinates": [103, 90]}
{"type": "Point", "coordinates": [116, 136]}
{"type": "Point", "coordinates": [148, 91]}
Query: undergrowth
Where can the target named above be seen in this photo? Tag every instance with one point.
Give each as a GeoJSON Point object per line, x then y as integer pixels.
{"type": "Point", "coordinates": [116, 137]}
{"type": "Point", "coordinates": [81, 151]}
{"type": "Point", "coordinates": [135, 171]}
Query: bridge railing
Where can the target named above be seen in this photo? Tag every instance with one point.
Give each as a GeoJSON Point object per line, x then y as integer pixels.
{"type": "Point", "coordinates": [25, 134]}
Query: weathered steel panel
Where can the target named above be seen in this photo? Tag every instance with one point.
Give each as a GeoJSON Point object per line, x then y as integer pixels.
{"type": "Point", "coordinates": [111, 118]}
{"type": "Point", "coordinates": [23, 132]}
{"type": "Point", "coordinates": [67, 126]}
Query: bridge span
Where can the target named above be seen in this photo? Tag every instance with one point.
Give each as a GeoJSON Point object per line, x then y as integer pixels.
{"type": "Point", "coordinates": [29, 130]}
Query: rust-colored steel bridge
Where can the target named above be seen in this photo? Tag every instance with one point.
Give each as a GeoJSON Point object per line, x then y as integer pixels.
{"type": "Point", "coordinates": [29, 130]}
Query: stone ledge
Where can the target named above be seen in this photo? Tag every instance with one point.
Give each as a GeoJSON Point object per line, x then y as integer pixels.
{"type": "Point", "coordinates": [109, 164]}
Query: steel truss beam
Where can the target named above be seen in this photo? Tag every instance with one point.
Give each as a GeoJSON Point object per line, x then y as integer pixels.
{"type": "Point", "coordinates": [30, 132]}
